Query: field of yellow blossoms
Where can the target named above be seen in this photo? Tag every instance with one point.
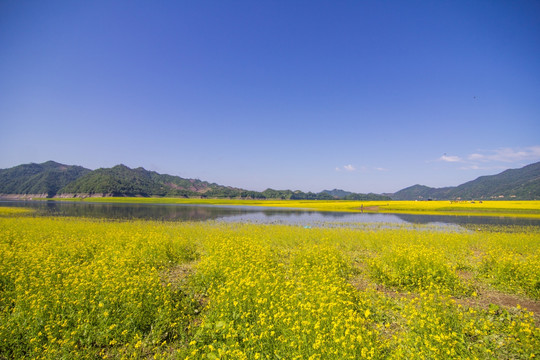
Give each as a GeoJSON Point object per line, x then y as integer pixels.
{"type": "Point", "coordinates": [74, 288]}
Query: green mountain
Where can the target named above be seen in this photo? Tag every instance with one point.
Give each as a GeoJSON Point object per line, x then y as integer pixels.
{"type": "Point", "coordinates": [323, 195]}
{"type": "Point", "coordinates": [121, 180]}
{"type": "Point", "coordinates": [421, 192]}
{"type": "Point", "coordinates": [47, 178]}
{"type": "Point", "coordinates": [347, 195]}
{"type": "Point", "coordinates": [338, 193]}
{"type": "Point", "coordinates": [516, 184]}
{"type": "Point", "coordinates": [52, 179]}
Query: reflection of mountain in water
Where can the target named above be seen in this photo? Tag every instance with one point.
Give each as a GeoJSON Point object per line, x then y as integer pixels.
{"type": "Point", "coordinates": [330, 216]}
{"type": "Point", "coordinates": [304, 217]}
{"type": "Point", "coordinates": [147, 212]}
{"type": "Point", "coordinates": [245, 214]}
{"type": "Point", "coordinates": [472, 220]}
{"type": "Point", "coordinates": [126, 211]}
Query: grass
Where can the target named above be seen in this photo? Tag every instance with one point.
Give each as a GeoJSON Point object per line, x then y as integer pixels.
{"type": "Point", "coordinates": [530, 209]}
{"type": "Point", "coordinates": [76, 288]}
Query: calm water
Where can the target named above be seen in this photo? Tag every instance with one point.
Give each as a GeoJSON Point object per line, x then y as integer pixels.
{"type": "Point", "coordinates": [248, 214]}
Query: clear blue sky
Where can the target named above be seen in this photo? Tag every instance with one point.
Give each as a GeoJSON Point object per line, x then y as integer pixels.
{"type": "Point", "coordinates": [366, 96]}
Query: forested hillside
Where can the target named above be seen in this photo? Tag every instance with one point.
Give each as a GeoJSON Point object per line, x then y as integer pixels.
{"type": "Point", "coordinates": [46, 178]}
{"type": "Point", "coordinates": [515, 184]}
{"type": "Point", "coordinates": [52, 179]}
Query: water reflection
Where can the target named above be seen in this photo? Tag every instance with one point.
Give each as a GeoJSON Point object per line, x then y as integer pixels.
{"type": "Point", "coordinates": [126, 211]}
{"type": "Point", "coordinates": [467, 220]}
{"type": "Point", "coordinates": [247, 214]}
{"type": "Point", "coordinates": [309, 217]}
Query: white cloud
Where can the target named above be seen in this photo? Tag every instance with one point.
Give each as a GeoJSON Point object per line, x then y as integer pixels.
{"type": "Point", "coordinates": [450, 158]}
{"type": "Point", "coordinates": [477, 167]}
{"type": "Point", "coordinates": [475, 157]}
{"type": "Point", "coordinates": [348, 168]}
{"type": "Point", "coordinates": [472, 167]}
{"type": "Point", "coordinates": [488, 159]}
{"type": "Point", "coordinates": [381, 169]}
{"type": "Point", "coordinates": [507, 155]}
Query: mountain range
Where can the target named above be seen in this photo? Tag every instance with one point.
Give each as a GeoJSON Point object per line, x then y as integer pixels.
{"type": "Point", "coordinates": [511, 184]}
{"type": "Point", "coordinates": [52, 179]}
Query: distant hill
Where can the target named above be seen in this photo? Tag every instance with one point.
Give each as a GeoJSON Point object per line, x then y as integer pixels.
{"type": "Point", "coordinates": [52, 179]}
{"type": "Point", "coordinates": [121, 180]}
{"type": "Point", "coordinates": [338, 193]}
{"type": "Point", "coordinates": [323, 195]}
{"type": "Point", "coordinates": [421, 192]}
{"type": "Point", "coordinates": [516, 184]}
{"type": "Point", "coordinates": [347, 195]}
{"type": "Point", "coordinates": [45, 179]}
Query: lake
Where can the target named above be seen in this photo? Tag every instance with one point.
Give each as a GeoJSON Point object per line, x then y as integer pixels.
{"type": "Point", "coordinates": [255, 214]}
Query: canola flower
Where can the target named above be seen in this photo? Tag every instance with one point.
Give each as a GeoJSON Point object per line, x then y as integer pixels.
{"type": "Point", "coordinates": [10, 211]}
{"type": "Point", "coordinates": [300, 307]}
{"type": "Point", "coordinates": [89, 289]}
{"type": "Point", "coordinates": [81, 289]}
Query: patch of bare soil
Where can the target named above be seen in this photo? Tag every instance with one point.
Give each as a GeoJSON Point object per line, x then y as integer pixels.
{"type": "Point", "coordinates": [362, 283]}
{"type": "Point", "coordinates": [177, 275]}
{"type": "Point", "coordinates": [485, 296]}
{"type": "Point", "coordinates": [368, 208]}
{"type": "Point", "coordinates": [174, 186]}
{"type": "Point", "coordinates": [500, 299]}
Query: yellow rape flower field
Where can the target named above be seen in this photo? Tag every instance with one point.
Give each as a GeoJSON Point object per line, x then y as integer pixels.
{"type": "Point", "coordinates": [75, 288]}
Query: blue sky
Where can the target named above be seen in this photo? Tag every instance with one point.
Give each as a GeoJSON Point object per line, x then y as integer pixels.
{"type": "Point", "coordinates": [366, 96]}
